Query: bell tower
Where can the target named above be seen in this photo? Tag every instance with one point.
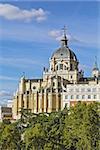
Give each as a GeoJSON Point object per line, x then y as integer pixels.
{"type": "Point", "coordinates": [95, 70]}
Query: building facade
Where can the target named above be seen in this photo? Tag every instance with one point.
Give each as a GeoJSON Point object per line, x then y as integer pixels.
{"type": "Point", "coordinates": [62, 83]}
{"type": "Point", "coordinates": [5, 113]}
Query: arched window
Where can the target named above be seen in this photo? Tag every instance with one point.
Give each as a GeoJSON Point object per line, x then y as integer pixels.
{"type": "Point", "coordinates": [61, 67]}
{"type": "Point", "coordinates": [57, 67]}
{"type": "Point", "coordinates": [65, 68]}
{"type": "Point", "coordinates": [71, 67]}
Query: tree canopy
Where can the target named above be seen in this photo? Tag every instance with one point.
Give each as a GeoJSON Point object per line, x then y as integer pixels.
{"type": "Point", "coordinates": [76, 128]}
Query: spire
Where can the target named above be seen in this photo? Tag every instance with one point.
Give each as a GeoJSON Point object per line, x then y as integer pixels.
{"type": "Point", "coordinates": [64, 40]}
{"type": "Point", "coordinates": [23, 75]}
{"type": "Point", "coordinates": [95, 67]}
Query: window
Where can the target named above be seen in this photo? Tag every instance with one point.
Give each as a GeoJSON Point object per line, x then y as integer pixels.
{"type": "Point", "coordinates": [95, 96]}
{"type": "Point", "coordinates": [53, 83]}
{"type": "Point", "coordinates": [27, 92]}
{"type": "Point", "coordinates": [77, 96]}
{"type": "Point", "coordinates": [64, 85]}
{"type": "Point", "coordinates": [66, 96]}
{"type": "Point", "coordinates": [89, 96]}
{"type": "Point", "coordinates": [57, 67]}
{"type": "Point", "coordinates": [71, 67]}
{"type": "Point", "coordinates": [71, 96]}
{"type": "Point", "coordinates": [94, 89]}
{"type": "Point", "coordinates": [83, 96]}
{"type": "Point", "coordinates": [59, 90]}
{"type": "Point", "coordinates": [88, 90]}
{"type": "Point", "coordinates": [61, 66]}
{"type": "Point", "coordinates": [65, 68]}
{"type": "Point", "coordinates": [61, 54]}
{"type": "Point", "coordinates": [59, 84]}
{"type": "Point", "coordinates": [48, 90]}
{"type": "Point", "coordinates": [34, 87]}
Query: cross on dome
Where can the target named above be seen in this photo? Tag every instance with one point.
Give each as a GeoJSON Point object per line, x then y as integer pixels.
{"type": "Point", "coordinates": [64, 40]}
{"type": "Point", "coordinates": [64, 30]}
{"type": "Point", "coordinates": [95, 67]}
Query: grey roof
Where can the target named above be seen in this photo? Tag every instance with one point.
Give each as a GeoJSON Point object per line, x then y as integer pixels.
{"type": "Point", "coordinates": [64, 52]}
{"type": "Point", "coordinates": [33, 80]}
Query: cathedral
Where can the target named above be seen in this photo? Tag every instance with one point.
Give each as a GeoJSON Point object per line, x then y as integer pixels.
{"type": "Point", "coordinates": [62, 83]}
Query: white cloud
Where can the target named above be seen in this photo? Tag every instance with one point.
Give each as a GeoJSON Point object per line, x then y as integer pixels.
{"type": "Point", "coordinates": [57, 34]}
{"type": "Point", "coordinates": [7, 78]}
{"type": "Point", "coordinates": [12, 12]}
{"type": "Point", "coordinates": [84, 67]}
{"type": "Point", "coordinates": [18, 62]}
{"type": "Point", "coordinates": [4, 93]}
{"type": "Point", "coordinates": [4, 97]}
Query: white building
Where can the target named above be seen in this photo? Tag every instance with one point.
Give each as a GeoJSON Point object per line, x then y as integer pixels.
{"type": "Point", "coordinates": [87, 91]}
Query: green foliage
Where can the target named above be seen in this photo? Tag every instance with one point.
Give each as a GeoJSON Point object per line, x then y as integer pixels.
{"type": "Point", "coordinates": [81, 130]}
{"type": "Point", "coordinates": [10, 137]}
{"type": "Point", "coordinates": [74, 129]}
{"type": "Point", "coordinates": [34, 137]}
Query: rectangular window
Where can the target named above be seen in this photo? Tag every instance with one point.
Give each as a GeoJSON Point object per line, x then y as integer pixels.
{"type": "Point", "coordinates": [77, 96]}
{"type": "Point", "coordinates": [94, 90]}
{"type": "Point", "coordinates": [61, 66]}
{"type": "Point", "coordinates": [65, 68]}
{"type": "Point", "coordinates": [27, 92]}
{"type": "Point", "coordinates": [53, 83]}
{"type": "Point", "coordinates": [71, 96]}
{"type": "Point", "coordinates": [59, 84]}
{"type": "Point", "coordinates": [83, 96]}
{"type": "Point", "coordinates": [88, 90]}
{"type": "Point", "coordinates": [89, 96]}
{"type": "Point", "coordinates": [66, 96]}
{"type": "Point", "coordinates": [95, 96]}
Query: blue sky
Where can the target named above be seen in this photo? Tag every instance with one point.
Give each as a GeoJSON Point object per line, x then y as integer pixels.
{"type": "Point", "coordinates": [29, 33]}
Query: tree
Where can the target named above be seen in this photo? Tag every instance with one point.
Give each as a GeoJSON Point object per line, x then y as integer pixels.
{"type": "Point", "coordinates": [54, 130]}
{"type": "Point", "coordinates": [82, 127]}
{"type": "Point", "coordinates": [10, 138]}
{"type": "Point", "coordinates": [34, 137]}
{"type": "Point", "coordinates": [73, 129]}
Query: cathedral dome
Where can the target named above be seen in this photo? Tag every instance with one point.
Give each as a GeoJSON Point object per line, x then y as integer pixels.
{"type": "Point", "coordinates": [64, 51]}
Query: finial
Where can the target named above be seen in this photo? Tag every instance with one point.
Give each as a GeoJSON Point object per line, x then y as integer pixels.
{"type": "Point", "coordinates": [64, 40]}
{"type": "Point", "coordinates": [64, 30]}
{"type": "Point", "coordinates": [23, 75]}
{"type": "Point", "coordinates": [95, 64]}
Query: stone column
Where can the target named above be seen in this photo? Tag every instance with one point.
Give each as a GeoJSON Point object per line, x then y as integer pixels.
{"type": "Point", "coordinates": [50, 102]}
{"type": "Point", "coordinates": [45, 101]}
{"type": "Point", "coordinates": [40, 103]}
{"type": "Point", "coordinates": [20, 104]}
{"type": "Point", "coordinates": [25, 101]}
{"type": "Point", "coordinates": [32, 102]}
{"type": "Point", "coordinates": [36, 102]}
{"type": "Point", "coordinates": [57, 102]}
{"type": "Point", "coordinates": [15, 107]}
